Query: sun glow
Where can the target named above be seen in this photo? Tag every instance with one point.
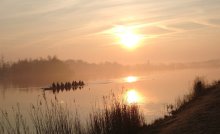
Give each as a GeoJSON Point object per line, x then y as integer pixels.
{"type": "Point", "coordinates": [131, 79]}
{"type": "Point", "coordinates": [127, 37]}
{"type": "Point", "coordinates": [132, 96]}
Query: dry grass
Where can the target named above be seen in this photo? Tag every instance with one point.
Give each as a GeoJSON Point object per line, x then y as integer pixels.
{"type": "Point", "coordinates": [50, 117]}
{"type": "Point", "coordinates": [116, 118]}
{"type": "Point", "coordinates": [17, 125]}
{"type": "Point", "coordinates": [198, 89]}
{"type": "Point", "coordinates": [198, 112]}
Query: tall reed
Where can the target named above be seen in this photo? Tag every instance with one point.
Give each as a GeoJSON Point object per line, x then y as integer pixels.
{"type": "Point", "coordinates": [16, 124]}
{"type": "Point", "coordinates": [51, 117]}
{"type": "Point", "coordinates": [117, 118]}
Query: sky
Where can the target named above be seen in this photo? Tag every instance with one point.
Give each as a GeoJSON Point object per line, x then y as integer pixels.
{"type": "Point", "coordinates": [170, 30]}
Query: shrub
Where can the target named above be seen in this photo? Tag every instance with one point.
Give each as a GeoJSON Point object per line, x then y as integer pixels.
{"type": "Point", "coordinates": [198, 87]}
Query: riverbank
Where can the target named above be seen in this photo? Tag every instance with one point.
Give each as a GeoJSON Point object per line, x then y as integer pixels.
{"type": "Point", "coordinates": [198, 113]}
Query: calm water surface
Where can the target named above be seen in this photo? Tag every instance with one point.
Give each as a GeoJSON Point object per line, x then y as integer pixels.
{"type": "Point", "coordinates": [152, 92]}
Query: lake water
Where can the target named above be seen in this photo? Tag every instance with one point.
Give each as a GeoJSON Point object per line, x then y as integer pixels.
{"type": "Point", "coordinates": [152, 92]}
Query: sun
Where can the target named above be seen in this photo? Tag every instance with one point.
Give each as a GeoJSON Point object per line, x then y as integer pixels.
{"type": "Point", "coordinates": [127, 37]}
{"type": "Point", "coordinates": [132, 97]}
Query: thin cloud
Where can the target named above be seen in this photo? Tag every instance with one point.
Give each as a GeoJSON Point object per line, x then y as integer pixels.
{"type": "Point", "coordinates": [45, 20]}
{"type": "Point", "coordinates": [187, 25]}
{"type": "Point", "coordinates": [214, 21]}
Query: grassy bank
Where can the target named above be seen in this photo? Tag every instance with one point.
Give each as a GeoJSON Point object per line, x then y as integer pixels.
{"type": "Point", "coordinates": [196, 113]}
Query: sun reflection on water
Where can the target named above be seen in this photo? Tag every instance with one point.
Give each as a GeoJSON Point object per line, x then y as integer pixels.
{"type": "Point", "coordinates": [131, 79]}
{"type": "Point", "coordinates": [133, 97]}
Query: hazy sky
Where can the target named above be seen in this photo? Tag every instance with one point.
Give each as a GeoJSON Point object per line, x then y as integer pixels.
{"type": "Point", "coordinates": [171, 30]}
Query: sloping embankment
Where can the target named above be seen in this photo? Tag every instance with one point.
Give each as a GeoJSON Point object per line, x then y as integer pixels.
{"type": "Point", "coordinates": [201, 115]}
